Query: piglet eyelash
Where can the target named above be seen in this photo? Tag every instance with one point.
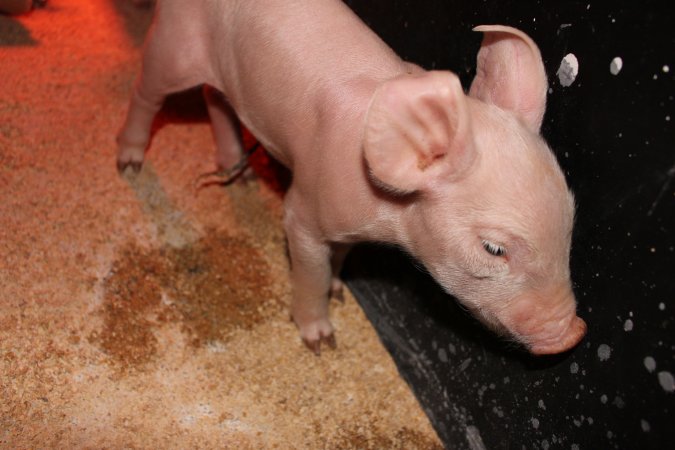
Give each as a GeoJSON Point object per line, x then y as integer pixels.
{"type": "Point", "coordinates": [493, 249]}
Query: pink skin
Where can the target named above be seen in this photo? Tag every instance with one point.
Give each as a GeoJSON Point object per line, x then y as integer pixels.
{"type": "Point", "coordinates": [381, 150]}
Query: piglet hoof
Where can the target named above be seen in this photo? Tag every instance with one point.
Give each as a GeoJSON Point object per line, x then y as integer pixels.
{"type": "Point", "coordinates": [129, 154]}
{"type": "Point", "coordinates": [135, 166]}
{"type": "Point", "coordinates": [315, 345]}
{"type": "Point", "coordinates": [318, 333]}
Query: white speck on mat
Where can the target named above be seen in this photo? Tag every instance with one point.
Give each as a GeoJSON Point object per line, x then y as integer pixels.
{"type": "Point", "coordinates": [568, 70]}
{"type": "Point", "coordinates": [616, 65]}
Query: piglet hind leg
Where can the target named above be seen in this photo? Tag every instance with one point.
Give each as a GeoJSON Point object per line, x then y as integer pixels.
{"type": "Point", "coordinates": [165, 70]}
{"type": "Point", "coordinates": [311, 280]}
{"type": "Point", "coordinates": [225, 127]}
{"type": "Point", "coordinates": [134, 136]}
{"type": "Point", "coordinates": [146, 100]}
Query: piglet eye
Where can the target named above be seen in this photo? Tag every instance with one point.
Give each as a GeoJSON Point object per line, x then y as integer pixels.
{"type": "Point", "coordinates": [493, 249]}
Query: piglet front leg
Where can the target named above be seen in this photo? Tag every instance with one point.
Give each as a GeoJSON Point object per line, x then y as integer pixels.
{"type": "Point", "coordinates": [339, 253]}
{"type": "Point", "coordinates": [311, 277]}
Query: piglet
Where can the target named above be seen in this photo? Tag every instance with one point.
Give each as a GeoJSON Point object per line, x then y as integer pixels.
{"type": "Point", "coordinates": [381, 150]}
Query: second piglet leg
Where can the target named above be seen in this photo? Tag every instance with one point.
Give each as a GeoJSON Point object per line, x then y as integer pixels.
{"type": "Point", "coordinates": [337, 259]}
{"type": "Point", "coordinates": [226, 129]}
{"type": "Point", "coordinates": [311, 280]}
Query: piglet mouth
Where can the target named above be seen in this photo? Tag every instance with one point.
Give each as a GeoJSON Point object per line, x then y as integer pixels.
{"type": "Point", "coordinates": [564, 341]}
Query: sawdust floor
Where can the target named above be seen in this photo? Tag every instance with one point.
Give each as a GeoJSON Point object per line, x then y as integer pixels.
{"type": "Point", "coordinates": [136, 312]}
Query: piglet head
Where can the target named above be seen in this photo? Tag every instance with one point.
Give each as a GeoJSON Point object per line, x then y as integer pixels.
{"type": "Point", "coordinates": [490, 214]}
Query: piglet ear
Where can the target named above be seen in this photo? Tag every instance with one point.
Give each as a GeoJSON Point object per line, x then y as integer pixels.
{"type": "Point", "coordinates": [417, 131]}
{"type": "Point", "coordinates": [510, 74]}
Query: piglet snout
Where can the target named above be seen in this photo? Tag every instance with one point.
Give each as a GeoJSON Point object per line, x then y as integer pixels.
{"type": "Point", "coordinates": [566, 341]}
